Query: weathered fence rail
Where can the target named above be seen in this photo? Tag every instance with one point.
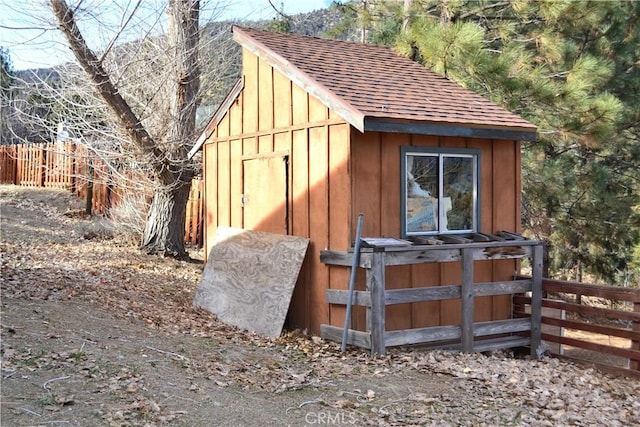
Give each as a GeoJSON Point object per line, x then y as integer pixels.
{"type": "Point", "coordinates": [467, 336]}
{"type": "Point", "coordinates": [69, 166]}
{"type": "Point", "coordinates": [621, 322]}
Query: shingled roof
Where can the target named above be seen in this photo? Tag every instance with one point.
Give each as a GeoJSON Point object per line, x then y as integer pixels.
{"type": "Point", "coordinates": [375, 89]}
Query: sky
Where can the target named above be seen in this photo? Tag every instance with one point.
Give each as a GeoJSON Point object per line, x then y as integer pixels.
{"type": "Point", "coordinates": [28, 31]}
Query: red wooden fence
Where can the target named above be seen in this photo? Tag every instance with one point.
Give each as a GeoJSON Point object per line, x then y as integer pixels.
{"type": "Point", "coordinates": [8, 163]}
{"type": "Point", "coordinates": [194, 224]}
{"type": "Point", "coordinates": [67, 166]}
{"type": "Point", "coordinates": [619, 319]}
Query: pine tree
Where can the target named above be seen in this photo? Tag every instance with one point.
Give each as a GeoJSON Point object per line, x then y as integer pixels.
{"type": "Point", "coordinates": [572, 69]}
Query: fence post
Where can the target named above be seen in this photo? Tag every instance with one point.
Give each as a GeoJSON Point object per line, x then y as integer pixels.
{"type": "Point", "coordinates": [72, 167]}
{"type": "Point", "coordinates": [15, 166]}
{"type": "Point", "coordinates": [18, 165]}
{"type": "Point", "coordinates": [466, 294]}
{"type": "Point", "coordinates": [634, 365]}
{"type": "Point", "coordinates": [43, 166]}
{"type": "Point", "coordinates": [89, 202]}
{"type": "Point", "coordinates": [375, 285]}
{"type": "Point", "coordinates": [51, 170]}
{"type": "Point", "coordinates": [536, 299]}
{"type": "Point", "coordinates": [30, 166]}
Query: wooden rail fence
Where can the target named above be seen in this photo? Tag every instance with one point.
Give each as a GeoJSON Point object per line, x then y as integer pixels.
{"type": "Point", "coordinates": [602, 320]}
{"type": "Point", "coordinates": [71, 167]}
{"type": "Point", "coordinates": [467, 336]}
{"type": "Point", "coordinates": [538, 311]}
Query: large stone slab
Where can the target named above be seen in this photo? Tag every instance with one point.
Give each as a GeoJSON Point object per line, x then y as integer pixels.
{"type": "Point", "coordinates": [249, 278]}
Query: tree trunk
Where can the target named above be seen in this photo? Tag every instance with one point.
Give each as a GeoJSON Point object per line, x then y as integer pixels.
{"type": "Point", "coordinates": [406, 15]}
{"type": "Point", "coordinates": [164, 230]}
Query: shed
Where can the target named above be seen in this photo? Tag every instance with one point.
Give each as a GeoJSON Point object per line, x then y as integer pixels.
{"type": "Point", "coordinates": [318, 131]}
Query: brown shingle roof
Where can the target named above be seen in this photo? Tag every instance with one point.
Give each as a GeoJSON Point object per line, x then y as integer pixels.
{"type": "Point", "coordinates": [372, 84]}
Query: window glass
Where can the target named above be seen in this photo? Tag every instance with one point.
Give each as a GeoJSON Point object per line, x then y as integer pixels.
{"type": "Point", "coordinates": [457, 189]}
{"type": "Point", "coordinates": [422, 193]}
{"type": "Point", "coordinates": [440, 191]}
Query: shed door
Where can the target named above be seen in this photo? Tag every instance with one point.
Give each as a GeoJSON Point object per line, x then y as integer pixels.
{"type": "Point", "coordinates": [264, 198]}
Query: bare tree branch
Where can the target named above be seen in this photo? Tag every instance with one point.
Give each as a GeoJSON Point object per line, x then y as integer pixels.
{"type": "Point", "coordinates": [114, 39]}
{"type": "Point", "coordinates": [279, 12]}
{"type": "Point", "coordinates": [133, 105]}
{"type": "Point", "coordinates": [94, 69]}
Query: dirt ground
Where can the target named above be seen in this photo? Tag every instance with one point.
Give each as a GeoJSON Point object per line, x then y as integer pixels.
{"type": "Point", "coordinates": [96, 333]}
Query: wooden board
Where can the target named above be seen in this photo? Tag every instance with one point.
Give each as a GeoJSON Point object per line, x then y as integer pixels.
{"type": "Point", "coordinates": [235, 207]}
{"type": "Point", "coordinates": [223, 199]}
{"type": "Point", "coordinates": [249, 278]}
{"type": "Point", "coordinates": [383, 242]}
{"type": "Point", "coordinates": [265, 96]}
{"type": "Point", "coordinates": [339, 229]}
{"type": "Point", "coordinates": [299, 104]}
{"type": "Point", "coordinates": [299, 314]}
{"type": "Point", "coordinates": [210, 164]}
{"type": "Point", "coordinates": [281, 100]}
{"type": "Point", "coordinates": [506, 212]}
{"type": "Point", "coordinates": [318, 224]}
{"type": "Point", "coordinates": [250, 92]}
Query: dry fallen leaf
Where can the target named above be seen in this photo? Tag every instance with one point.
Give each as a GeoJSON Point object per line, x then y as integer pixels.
{"type": "Point", "coordinates": [406, 387]}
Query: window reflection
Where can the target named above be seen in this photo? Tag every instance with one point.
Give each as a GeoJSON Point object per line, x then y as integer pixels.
{"type": "Point", "coordinates": [422, 193]}
{"type": "Point", "coordinates": [440, 192]}
{"type": "Point", "coordinates": [457, 185]}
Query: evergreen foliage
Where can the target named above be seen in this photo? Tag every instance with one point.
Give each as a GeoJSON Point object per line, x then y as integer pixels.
{"type": "Point", "coordinates": [573, 69]}
{"type": "Point", "coordinates": [570, 67]}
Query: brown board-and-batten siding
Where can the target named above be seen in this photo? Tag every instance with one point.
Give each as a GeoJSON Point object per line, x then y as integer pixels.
{"type": "Point", "coordinates": [271, 116]}
{"type": "Point", "coordinates": [376, 193]}
{"type": "Point", "coordinates": [333, 173]}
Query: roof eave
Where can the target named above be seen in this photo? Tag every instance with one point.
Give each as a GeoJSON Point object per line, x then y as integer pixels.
{"type": "Point", "coordinates": [450, 129]}
{"type": "Point", "coordinates": [345, 110]}
{"type": "Point", "coordinates": [217, 116]}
